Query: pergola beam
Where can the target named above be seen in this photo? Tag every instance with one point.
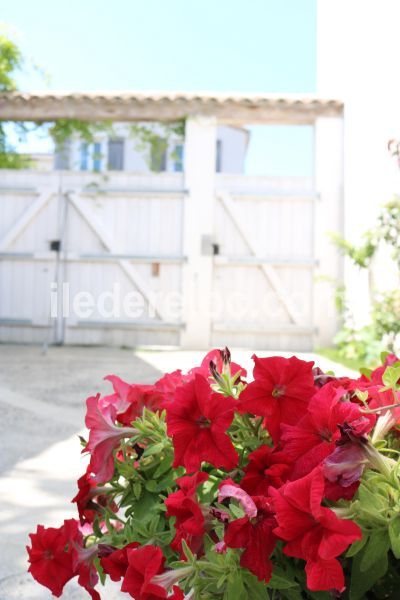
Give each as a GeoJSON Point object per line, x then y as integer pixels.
{"type": "Point", "coordinates": [138, 106]}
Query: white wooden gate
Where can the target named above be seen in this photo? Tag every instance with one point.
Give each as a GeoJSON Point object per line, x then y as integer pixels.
{"type": "Point", "coordinates": [69, 241]}
{"type": "Point", "coordinates": [214, 259]}
{"type": "Point", "coordinates": [263, 263]}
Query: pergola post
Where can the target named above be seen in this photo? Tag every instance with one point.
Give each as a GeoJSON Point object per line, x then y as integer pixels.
{"type": "Point", "coordinates": [198, 229]}
{"type": "Point", "coordinates": [328, 218]}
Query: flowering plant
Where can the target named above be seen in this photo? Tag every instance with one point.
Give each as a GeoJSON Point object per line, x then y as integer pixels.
{"type": "Point", "coordinates": [205, 486]}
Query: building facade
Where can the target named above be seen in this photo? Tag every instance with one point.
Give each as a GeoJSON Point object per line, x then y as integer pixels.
{"type": "Point", "coordinates": [124, 150]}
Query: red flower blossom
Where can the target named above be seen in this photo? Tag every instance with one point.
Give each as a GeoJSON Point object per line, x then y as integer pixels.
{"type": "Point", "coordinates": [119, 399]}
{"type": "Point", "coordinates": [265, 468]}
{"type": "Point", "coordinates": [140, 397]}
{"type": "Point", "coordinates": [82, 559]}
{"type": "Point", "coordinates": [167, 385]}
{"type": "Point", "coordinates": [144, 564]}
{"type": "Point", "coordinates": [197, 421]}
{"type": "Point", "coordinates": [309, 442]}
{"type": "Point", "coordinates": [58, 555]}
{"type": "Point", "coordinates": [220, 358]}
{"type": "Point", "coordinates": [115, 563]}
{"type": "Point", "coordinates": [104, 438]}
{"type": "Point", "coordinates": [130, 399]}
{"type": "Point", "coordinates": [50, 559]}
{"type": "Point", "coordinates": [345, 465]}
{"type": "Point", "coordinates": [280, 391]}
{"type": "Point", "coordinates": [253, 532]}
{"type": "Point", "coordinates": [190, 522]}
{"type": "Point", "coordinates": [312, 532]}
{"type": "Point", "coordinates": [91, 498]}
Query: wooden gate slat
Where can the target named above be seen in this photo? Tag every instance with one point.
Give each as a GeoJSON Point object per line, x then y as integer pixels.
{"type": "Point", "coordinates": [267, 269]}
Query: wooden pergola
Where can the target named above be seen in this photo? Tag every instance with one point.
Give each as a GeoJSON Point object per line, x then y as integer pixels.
{"type": "Point", "coordinates": [162, 106]}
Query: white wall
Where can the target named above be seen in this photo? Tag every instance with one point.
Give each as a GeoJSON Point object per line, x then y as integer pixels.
{"type": "Point", "coordinates": [234, 142]}
{"type": "Point", "coordinates": [358, 60]}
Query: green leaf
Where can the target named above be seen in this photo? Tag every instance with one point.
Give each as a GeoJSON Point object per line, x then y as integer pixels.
{"type": "Point", "coordinates": [377, 546]}
{"type": "Point", "coordinates": [256, 589]}
{"type": "Point", "coordinates": [151, 485]}
{"type": "Point", "coordinates": [235, 588]}
{"type": "Point", "coordinates": [357, 546]}
{"type": "Point", "coordinates": [280, 582]}
{"type": "Point", "coordinates": [394, 535]}
{"type": "Point", "coordinates": [153, 449]}
{"type": "Point", "coordinates": [237, 511]}
{"type": "Point", "coordinates": [362, 581]}
{"type": "Point", "coordinates": [137, 489]}
{"type": "Point", "coordinates": [391, 376]}
{"type": "Point", "coordinates": [372, 501]}
{"type": "Point", "coordinates": [187, 552]}
{"type": "Point", "coordinates": [366, 372]}
{"type": "Point", "coordinates": [164, 466]}
{"type": "Point", "coordinates": [143, 509]}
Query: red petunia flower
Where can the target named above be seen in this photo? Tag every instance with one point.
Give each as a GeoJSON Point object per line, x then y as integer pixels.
{"type": "Point", "coordinates": [265, 468]}
{"type": "Point", "coordinates": [58, 555]}
{"type": "Point", "coordinates": [50, 559]}
{"type": "Point", "coordinates": [119, 399]}
{"type": "Point", "coordinates": [280, 391]}
{"type": "Point", "coordinates": [104, 438]}
{"type": "Point", "coordinates": [190, 521]}
{"type": "Point", "coordinates": [140, 397]}
{"type": "Point", "coordinates": [197, 421]}
{"type": "Point", "coordinates": [312, 532]}
{"type": "Point", "coordinates": [309, 442]}
{"type": "Point", "coordinates": [115, 563]}
{"type": "Point", "coordinates": [344, 466]}
{"type": "Point", "coordinates": [220, 358]}
{"type": "Point", "coordinates": [91, 498]}
{"type": "Point", "coordinates": [144, 565]}
{"type": "Point", "coordinates": [168, 383]}
{"type": "Point", "coordinates": [253, 532]}
{"type": "Point", "coordinates": [130, 399]}
{"type": "Point", "coordinates": [82, 559]}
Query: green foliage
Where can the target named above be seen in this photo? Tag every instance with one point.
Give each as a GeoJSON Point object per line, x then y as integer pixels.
{"type": "Point", "coordinates": [154, 142]}
{"type": "Point", "coordinates": [357, 346]}
{"type": "Point", "coordinates": [360, 255]}
{"type": "Point", "coordinates": [64, 129]}
{"type": "Point", "coordinates": [366, 343]}
{"type": "Point", "coordinates": [386, 230]}
{"type": "Point", "coordinates": [386, 318]}
{"type": "Point", "coordinates": [11, 61]}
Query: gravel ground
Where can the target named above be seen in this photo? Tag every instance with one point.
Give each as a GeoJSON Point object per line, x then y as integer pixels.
{"type": "Point", "coordinates": [42, 403]}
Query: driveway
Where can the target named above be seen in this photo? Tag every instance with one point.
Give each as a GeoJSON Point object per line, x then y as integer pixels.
{"type": "Point", "coordinates": [42, 402]}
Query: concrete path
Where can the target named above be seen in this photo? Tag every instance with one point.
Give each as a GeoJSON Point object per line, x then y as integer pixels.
{"type": "Point", "coordinates": [42, 402]}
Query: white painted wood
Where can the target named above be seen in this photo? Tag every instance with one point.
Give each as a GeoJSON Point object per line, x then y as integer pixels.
{"type": "Point", "coordinates": [112, 246]}
{"type": "Point", "coordinates": [266, 268]}
{"type": "Point", "coordinates": [328, 219]}
{"type": "Point", "coordinates": [25, 218]}
{"type": "Point", "coordinates": [154, 233]}
{"type": "Point", "coordinates": [200, 143]}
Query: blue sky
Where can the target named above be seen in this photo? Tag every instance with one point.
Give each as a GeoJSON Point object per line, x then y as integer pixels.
{"type": "Point", "coordinates": [187, 45]}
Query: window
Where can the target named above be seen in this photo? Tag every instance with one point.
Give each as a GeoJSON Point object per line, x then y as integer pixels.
{"type": "Point", "coordinates": [116, 155]}
{"type": "Point", "coordinates": [61, 158]}
{"type": "Point", "coordinates": [84, 156]}
{"type": "Point", "coordinates": [178, 158]}
{"type": "Point", "coordinates": [218, 158]}
{"type": "Point", "coordinates": [97, 156]}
